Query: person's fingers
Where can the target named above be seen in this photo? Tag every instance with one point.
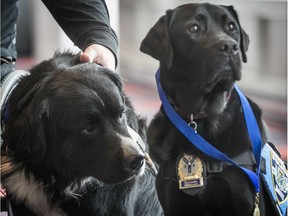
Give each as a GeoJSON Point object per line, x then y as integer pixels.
{"type": "Point", "coordinates": [98, 54]}
{"type": "Point", "coordinates": [88, 55]}
{"type": "Point", "coordinates": [84, 57]}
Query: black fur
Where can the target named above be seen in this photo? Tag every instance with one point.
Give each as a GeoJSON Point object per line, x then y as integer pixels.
{"type": "Point", "coordinates": [200, 48]}
{"type": "Point", "coordinates": [67, 136]}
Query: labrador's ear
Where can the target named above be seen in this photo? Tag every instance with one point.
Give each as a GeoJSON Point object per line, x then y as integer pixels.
{"type": "Point", "coordinates": [157, 42]}
{"type": "Point", "coordinates": [244, 38]}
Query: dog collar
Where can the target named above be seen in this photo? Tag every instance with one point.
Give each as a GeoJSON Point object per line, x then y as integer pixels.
{"type": "Point", "coordinates": [201, 144]}
{"type": "Point", "coordinates": [189, 117]}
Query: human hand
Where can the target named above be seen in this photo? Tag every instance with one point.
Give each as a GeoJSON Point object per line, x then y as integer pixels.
{"type": "Point", "coordinates": [99, 54]}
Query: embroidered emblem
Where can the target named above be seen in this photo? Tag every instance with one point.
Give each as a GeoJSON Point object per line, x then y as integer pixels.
{"type": "Point", "coordinates": [190, 171]}
{"type": "Point", "coordinates": [275, 178]}
{"type": "Point", "coordinates": [280, 178]}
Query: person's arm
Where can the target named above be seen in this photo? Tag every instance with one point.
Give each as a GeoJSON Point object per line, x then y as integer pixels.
{"type": "Point", "coordinates": [86, 22]}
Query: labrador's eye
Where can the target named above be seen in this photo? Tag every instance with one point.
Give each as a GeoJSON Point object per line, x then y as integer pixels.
{"type": "Point", "coordinates": [231, 27]}
{"type": "Point", "coordinates": [194, 28]}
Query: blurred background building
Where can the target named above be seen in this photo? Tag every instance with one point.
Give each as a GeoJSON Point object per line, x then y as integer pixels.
{"type": "Point", "coordinates": [264, 76]}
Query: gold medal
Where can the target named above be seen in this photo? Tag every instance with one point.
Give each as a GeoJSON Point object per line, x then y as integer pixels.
{"type": "Point", "coordinates": [191, 172]}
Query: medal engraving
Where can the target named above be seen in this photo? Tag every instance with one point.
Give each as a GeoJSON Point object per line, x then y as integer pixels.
{"type": "Point", "coordinates": [190, 172]}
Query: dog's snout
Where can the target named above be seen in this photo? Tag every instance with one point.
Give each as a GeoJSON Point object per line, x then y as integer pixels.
{"type": "Point", "coordinates": [135, 161]}
{"type": "Point", "coordinates": [228, 47]}
{"type": "Point", "coordinates": [133, 154]}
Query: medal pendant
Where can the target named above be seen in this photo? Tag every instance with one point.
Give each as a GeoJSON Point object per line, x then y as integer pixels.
{"type": "Point", "coordinates": [190, 171]}
{"type": "Point", "coordinates": [256, 208]}
{"type": "Point", "coordinates": [256, 211]}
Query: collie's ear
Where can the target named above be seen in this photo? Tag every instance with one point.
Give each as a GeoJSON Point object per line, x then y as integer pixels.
{"type": "Point", "coordinates": [244, 38]}
{"type": "Point", "coordinates": [28, 107]}
{"type": "Point", "coordinates": [27, 133]}
{"type": "Point", "coordinates": [157, 42]}
{"type": "Point", "coordinates": [116, 79]}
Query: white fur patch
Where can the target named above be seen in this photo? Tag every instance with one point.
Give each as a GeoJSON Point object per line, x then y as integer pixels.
{"type": "Point", "coordinates": [32, 193]}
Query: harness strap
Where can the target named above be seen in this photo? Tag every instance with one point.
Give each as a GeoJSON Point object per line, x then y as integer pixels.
{"type": "Point", "coordinates": [8, 84]}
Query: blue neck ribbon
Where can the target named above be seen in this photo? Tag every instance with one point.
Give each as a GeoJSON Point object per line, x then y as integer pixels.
{"type": "Point", "coordinates": [200, 143]}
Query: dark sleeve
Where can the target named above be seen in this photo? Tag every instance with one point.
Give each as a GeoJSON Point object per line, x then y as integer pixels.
{"type": "Point", "coordinates": [85, 22]}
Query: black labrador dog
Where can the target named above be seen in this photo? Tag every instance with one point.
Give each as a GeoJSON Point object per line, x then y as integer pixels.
{"type": "Point", "coordinates": [72, 145]}
{"type": "Point", "coordinates": [201, 48]}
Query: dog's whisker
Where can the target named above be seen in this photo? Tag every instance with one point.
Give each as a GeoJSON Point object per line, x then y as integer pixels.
{"type": "Point", "coordinates": [69, 192]}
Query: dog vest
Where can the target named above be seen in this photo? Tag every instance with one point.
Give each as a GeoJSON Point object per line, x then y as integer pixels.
{"type": "Point", "coordinates": [275, 178]}
{"type": "Point", "coordinates": [273, 173]}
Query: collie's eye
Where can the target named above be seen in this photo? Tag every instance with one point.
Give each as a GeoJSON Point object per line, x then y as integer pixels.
{"type": "Point", "coordinates": [91, 127]}
{"type": "Point", "coordinates": [194, 28]}
{"type": "Point", "coordinates": [231, 27]}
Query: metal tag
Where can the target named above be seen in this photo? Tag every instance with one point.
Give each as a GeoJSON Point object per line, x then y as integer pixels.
{"type": "Point", "coordinates": [190, 172]}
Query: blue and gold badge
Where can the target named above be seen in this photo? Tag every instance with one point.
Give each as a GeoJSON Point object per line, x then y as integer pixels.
{"type": "Point", "coordinates": [191, 173]}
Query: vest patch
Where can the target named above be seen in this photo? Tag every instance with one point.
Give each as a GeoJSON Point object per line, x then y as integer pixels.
{"type": "Point", "coordinates": [276, 178]}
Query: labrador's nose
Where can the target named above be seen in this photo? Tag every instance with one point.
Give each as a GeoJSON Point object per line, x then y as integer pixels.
{"type": "Point", "coordinates": [228, 47]}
